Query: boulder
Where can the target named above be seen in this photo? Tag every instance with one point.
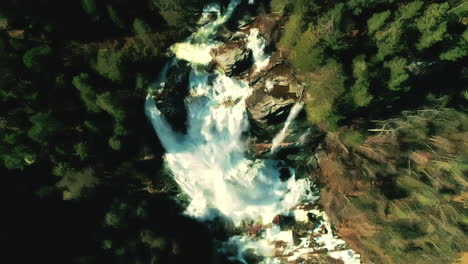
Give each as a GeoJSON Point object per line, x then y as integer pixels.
{"type": "Point", "coordinates": [232, 58]}
{"type": "Point", "coordinates": [170, 99]}
{"type": "Point", "coordinates": [272, 96]}
{"type": "Point", "coordinates": [268, 26]}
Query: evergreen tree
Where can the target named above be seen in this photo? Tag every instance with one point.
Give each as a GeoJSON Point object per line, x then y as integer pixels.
{"type": "Point", "coordinates": [38, 59]}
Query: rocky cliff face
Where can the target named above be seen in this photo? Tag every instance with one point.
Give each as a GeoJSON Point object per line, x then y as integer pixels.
{"type": "Point", "coordinates": [275, 88]}
{"type": "Point", "coordinates": [232, 58]}
{"type": "Point", "coordinates": [274, 93]}
{"type": "Point", "coordinates": [175, 90]}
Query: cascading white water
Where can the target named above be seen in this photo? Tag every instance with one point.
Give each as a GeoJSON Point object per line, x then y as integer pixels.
{"type": "Point", "coordinates": [257, 45]}
{"type": "Point", "coordinates": [282, 134]}
{"type": "Point", "coordinates": [208, 162]}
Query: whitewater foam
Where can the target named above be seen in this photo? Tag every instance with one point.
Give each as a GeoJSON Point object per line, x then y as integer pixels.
{"type": "Point", "coordinates": [257, 44]}
{"type": "Point", "coordinates": [297, 107]}
{"type": "Point", "coordinates": [209, 162]}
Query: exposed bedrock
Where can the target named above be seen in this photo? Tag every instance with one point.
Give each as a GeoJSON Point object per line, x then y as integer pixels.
{"type": "Point", "coordinates": [170, 99]}
{"type": "Point", "coordinates": [232, 58]}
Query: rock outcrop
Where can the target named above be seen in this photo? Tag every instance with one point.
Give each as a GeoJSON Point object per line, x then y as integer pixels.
{"type": "Point", "coordinates": [273, 95]}
{"type": "Point", "coordinates": [232, 58]}
{"type": "Point", "coordinates": [170, 99]}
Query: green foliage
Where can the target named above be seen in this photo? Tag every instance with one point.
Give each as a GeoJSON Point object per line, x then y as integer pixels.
{"type": "Point", "coordinates": [18, 157]}
{"type": "Point", "coordinates": [389, 40]}
{"type": "Point", "coordinates": [110, 64]}
{"type": "Point", "coordinates": [461, 10]}
{"type": "Point", "coordinates": [458, 52]}
{"type": "Point", "coordinates": [330, 27]}
{"type": "Point", "coordinates": [432, 25]}
{"type": "Point", "coordinates": [44, 126]}
{"type": "Point", "coordinates": [177, 12]}
{"type": "Point", "coordinates": [377, 21]}
{"type": "Point", "coordinates": [114, 143]}
{"type": "Point", "coordinates": [151, 240]}
{"type": "Point", "coordinates": [140, 27]}
{"type": "Point", "coordinates": [292, 31]}
{"type": "Point", "coordinates": [410, 10]}
{"type": "Point", "coordinates": [322, 92]}
{"type": "Point", "coordinates": [81, 149]}
{"type": "Point", "coordinates": [109, 103]}
{"type": "Point", "coordinates": [10, 138]}
{"type": "Point", "coordinates": [91, 127]}
{"type": "Point", "coordinates": [112, 219]}
{"type": "Point", "coordinates": [141, 83]}
{"type": "Point", "coordinates": [358, 6]}
{"type": "Point", "coordinates": [352, 139]}
{"type": "Point", "coordinates": [398, 73]}
{"type": "Point", "coordinates": [359, 90]}
{"type": "Point", "coordinates": [38, 59]}
{"type": "Point", "coordinates": [89, 6]}
{"type": "Point", "coordinates": [107, 244]}
{"type": "Point", "coordinates": [73, 182]}
{"type": "Point", "coordinates": [309, 53]}
{"type": "Point", "coordinates": [115, 17]}
{"type": "Point", "coordinates": [61, 169]}
{"type": "Point", "coordinates": [51, 77]}
{"type": "Point", "coordinates": [119, 129]}
{"type": "Point", "coordinates": [82, 82]}
{"type": "Point", "coordinates": [279, 6]}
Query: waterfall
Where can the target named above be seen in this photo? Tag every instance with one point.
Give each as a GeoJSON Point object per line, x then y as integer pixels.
{"type": "Point", "coordinates": [282, 134]}
{"type": "Point", "coordinates": [209, 162]}
{"type": "Point", "coordinates": [257, 45]}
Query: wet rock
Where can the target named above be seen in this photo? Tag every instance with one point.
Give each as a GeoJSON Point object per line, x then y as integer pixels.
{"type": "Point", "coordinates": [232, 58]}
{"type": "Point", "coordinates": [262, 148]}
{"type": "Point", "coordinates": [273, 96]}
{"type": "Point", "coordinates": [170, 99]}
{"type": "Point", "coordinates": [269, 27]}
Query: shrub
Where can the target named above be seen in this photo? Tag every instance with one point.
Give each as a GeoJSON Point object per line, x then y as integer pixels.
{"type": "Point", "coordinates": [309, 53]}
{"type": "Point", "coordinates": [114, 143]}
{"type": "Point", "coordinates": [73, 182]}
{"type": "Point", "coordinates": [398, 73]}
{"type": "Point", "coordinates": [115, 17]}
{"type": "Point", "coordinates": [279, 6]}
{"type": "Point", "coordinates": [82, 82]}
{"type": "Point", "coordinates": [38, 59]}
{"type": "Point", "coordinates": [352, 139]}
{"type": "Point", "coordinates": [377, 21]}
{"type": "Point", "coordinates": [359, 90]}
{"type": "Point", "coordinates": [410, 10]}
{"type": "Point", "coordinates": [89, 6]}
{"type": "Point", "coordinates": [109, 103]}
{"type": "Point", "coordinates": [389, 39]}
{"type": "Point", "coordinates": [140, 27]}
{"type": "Point", "coordinates": [322, 91]}
{"type": "Point", "coordinates": [432, 25]}
{"type": "Point", "coordinates": [292, 31]}
{"type": "Point", "coordinates": [43, 127]}
{"type": "Point", "coordinates": [110, 64]}
{"type": "Point", "coordinates": [81, 149]}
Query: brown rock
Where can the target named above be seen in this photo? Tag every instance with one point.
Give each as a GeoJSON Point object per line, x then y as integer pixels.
{"type": "Point", "coordinates": [232, 58]}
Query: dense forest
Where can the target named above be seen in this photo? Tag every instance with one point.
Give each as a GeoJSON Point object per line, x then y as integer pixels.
{"type": "Point", "coordinates": [82, 165]}
{"type": "Point", "coordinates": [386, 84]}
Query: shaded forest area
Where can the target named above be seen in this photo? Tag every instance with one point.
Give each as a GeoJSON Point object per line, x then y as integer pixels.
{"type": "Point", "coordinates": [386, 82]}
{"type": "Point", "coordinates": [83, 173]}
